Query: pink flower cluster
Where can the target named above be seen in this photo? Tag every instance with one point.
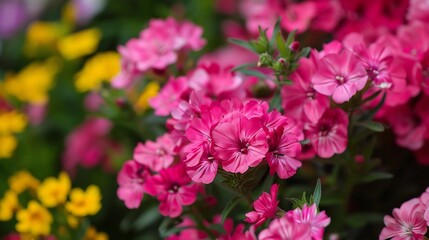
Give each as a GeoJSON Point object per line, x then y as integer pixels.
{"type": "Point", "coordinates": [157, 47]}
{"type": "Point", "coordinates": [410, 221]}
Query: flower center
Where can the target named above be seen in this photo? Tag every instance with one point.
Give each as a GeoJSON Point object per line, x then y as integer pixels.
{"type": "Point", "coordinates": [244, 147]}
{"type": "Point", "coordinates": [339, 78]}
{"type": "Point", "coordinates": [160, 152]}
{"type": "Point", "coordinates": [174, 188]}
{"type": "Point", "coordinates": [324, 130]}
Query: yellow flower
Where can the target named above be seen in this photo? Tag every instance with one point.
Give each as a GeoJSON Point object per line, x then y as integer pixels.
{"type": "Point", "coordinates": [22, 181]}
{"type": "Point", "coordinates": [101, 67]}
{"type": "Point", "coordinates": [8, 205]}
{"type": "Point", "coordinates": [12, 122]}
{"type": "Point", "coordinates": [72, 221]}
{"type": "Point", "coordinates": [33, 82]}
{"type": "Point", "coordinates": [35, 219]}
{"type": "Point", "coordinates": [52, 191]}
{"type": "Point", "coordinates": [7, 145]}
{"type": "Point", "coordinates": [92, 234]}
{"type": "Point", "coordinates": [150, 91]}
{"type": "Point", "coordinates": [42, 36]}
{"type": "Point", "coordinates": [84, 203]}
{"type": "Point", "coordinates": [79, 44]}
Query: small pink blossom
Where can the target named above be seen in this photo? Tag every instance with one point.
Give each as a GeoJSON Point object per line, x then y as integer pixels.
{"type": "Point", "coordinates": [169, 97]}
{"type": "Point", "coordinates": [239, 143]}
{"type": "Point", "coordinates": [265, 207]}
{"type": "Point", "coordinates": [298, 16]}
{"type": "Point", "coordinates": [329, 135]}
{"type": "Point", "coordinates": [131, 178]}
{"type": "Point", "coordinates": [340, 76]}
{"type": "Point", "coordinates": [309, 215]}
{"type": "Point", "coordinates": [237, 233]}
{"type": "Point", "coordinates": [407, 222]}
{"type": "Point", "coordinates": [283, 148]}
{"type": "Point", "coordinates": [173, 188]}
{"type": "Point", "coordinates": [300, 100]}
{"type": "Point", "coordinates": [190, 231]}
{"type": "Point", "coordinates": [286, 228]}
{"type": "Point", "coordinates": [155, 155]}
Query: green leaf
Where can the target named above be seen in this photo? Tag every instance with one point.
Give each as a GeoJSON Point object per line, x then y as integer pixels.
{"type": "Point", "coordinates": [243, 44]}
{"type": "Point", "coordinates": [268, 182]}
{"type": "Point", "coordinates": [281, 46]}
{"type": "Point", "coordinates": [374, 126]}
{"type": "Point", "coordinates": [230, 206]}
{"type": "Point", "coordinates": [244, 66]}
{"type": "Point", "coordinates": [374, 176]}
{"type": "Point", "coordinates": [276, 32]}
{"type": "Point", "coordinates": [167, 227]}
{"type": "Point", "coordinates": [373, 111]}
{"type": "Point", "coordinates": [255, 73]}
{"type": "Point", "coordinates": [290, 38]}
{"type": "Point", "coordinates": [317, 194]}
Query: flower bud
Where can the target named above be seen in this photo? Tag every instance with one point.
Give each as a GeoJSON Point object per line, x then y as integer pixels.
{"type": "Point", "coordinates": [294, 46]}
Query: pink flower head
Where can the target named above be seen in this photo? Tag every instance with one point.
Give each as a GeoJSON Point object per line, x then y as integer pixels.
{"type": "Point", "coordinates": [169, 97]}
{"type": "Point", "coordinates": [309, 215]}
{"type": "Point", "coordinates": [283, 147]}
{"type": "Point", "coordinates": [298, 16]}
{"type": "Point", "coordinates": [265, 207]}
{"type": "Point", "coordinates": [157, 47]}
{"type": "Point", "coordinates": [130, 180]}
{"type": "Point", "coordinates": [237, 233]}
{"type": "Point", "coordinates": [328, 14]}
{"type": "Point", "coordinates": [418, 10]}
{"type": "Point", "coordinates": [206, 168]}
{"type": "Point", "coordinates": [301, 100]}
{"type": "Point", "coordinates": [424, 202]}
{"type": "Point", "coordinates": [239, 143]}
{"type": "Point", "coordinates": [286, 228]}
{"type": "Point", "coordinates": [190, 231]}
{"type": "Point", "coordinates": [155, 155]}
{"type": "Point", "coordinates": [88, 145]}
{"type": "Point", "coordinates": [329, 135]}
{"type": "Point", "coordinates": [407, 222]}
{"type": "Point", "coordinates": [173, 188]}
{"type": "Point", "coordinates": [217, 82]}
{"type": "Point", "coordinates": [340, 76]}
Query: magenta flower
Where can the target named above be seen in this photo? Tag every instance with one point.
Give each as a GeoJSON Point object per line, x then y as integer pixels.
{"type": "Point", "coordinates": [339, 76]}
{"type": "Point", "coordinates": [130, 180]}
{"type": "Point", "coordinates": [206, 168]}
{"type": "Point", "coordinates": [173, 188]}
{"type": "Point", "coordinates": [237, 233]}
{"type": "Point", "coordinates": [407, 222]}
{"type": "Point", "coordinates": [300, 100]}
{"type": "Point", "coordinates": [265, 207]}
{"type": "Point", "coordinates": [298, 16]}
{"type": "Point", "coordinates": [239, 143]}
{"type": "Point", "coordinates": [190, 231]}
{"type": "Point", "coordinates": [283, 147]}
{"type": "Point", "coordinates": [329, 135]}
{"type": "Point", "coordinates": [155, 155]}
{"type": "Point", "coordinates": [285, 228]}
{"type": "Point", "coordinates": [169, 97]}
{"type": "Point", "coordinates": [309, 215]}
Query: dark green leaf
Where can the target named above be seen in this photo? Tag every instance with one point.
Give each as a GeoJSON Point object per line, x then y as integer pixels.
{"type": "Point", "coordinates": [230, 206]}
{"type": "Point", "coordinates": [317, 194]}
{"type": "Point", "coordinates": [374, 126]}
{"type": "Point", "coordinates": [243, 66]}
{"type": "Point", "coordinates": [276, 32]}
{"type": "Point", "coordinates": [374, 176]}
{"type": "Point", "coordinates": [281, 46]}
{"type": "Point", "coordinates": [255, 73]}
{"type": "Point", "coordinates": [242, 43]}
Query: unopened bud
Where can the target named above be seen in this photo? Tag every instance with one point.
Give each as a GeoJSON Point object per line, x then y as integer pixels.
{"type": "Point", "coordinates": [265, 60]}
{"type": "Point", "coordinates": [294, 46]}
{"type": "Point", "coordinates": [120, 102]}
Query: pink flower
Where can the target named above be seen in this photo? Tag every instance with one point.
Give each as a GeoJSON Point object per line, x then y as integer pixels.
{"type": "Point", "coordinates": [237, 233]}
{"type": "Point", "coordinates": [156, 48]}
{"type": "Point", "coordinates": [285, 228]}
{"type": "Point", "coordinates": [88, 145]}
{"type": "Point", "coordinates": [300, 100]}
{"type": "Point", "coordinates": [283, 147]}
{"type": "Point", "coordinates": [328, 14]}
{"type": "Point", "coordinates": [155, 155]}
{"type": "Point", "coordinates": [190, 231]}
{"type": "Point", "coordinates": [339, 76]}
{"type": "Point", "coordinates": [173, 188]}
{"type": "Point", "coordinates": [298, 16]}
{"type": "Point", "coordinates": [407, 222]}
{"type": "Point", "coordinates": [309, 215]}
{"type": "Point", "coordinates": [265, 207]}
{"type": "Point", "coordinates": [217, 82]}
{"type": "Point", "coordinates": [239, 143]}
{"type": "Point", "coordinates": [131, 179]}
{"type": "Point", "coordinates": [329, 135]}
{"type": "Point", "coordinates": [206, 168]}
{"type": "Point", "coordinates": [169, 97]}
{"type": "Point", "coordinates": [418, 10]}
